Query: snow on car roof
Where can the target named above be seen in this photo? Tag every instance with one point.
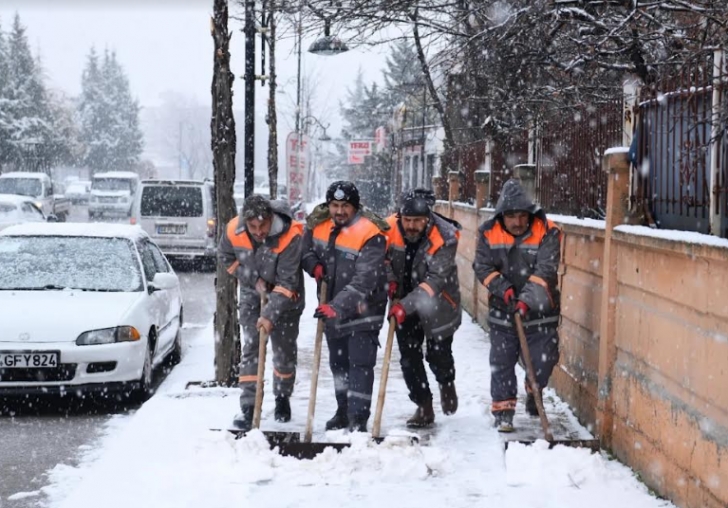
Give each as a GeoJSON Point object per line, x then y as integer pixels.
{"type": "Point", "coordinates": [96, 229]}
{"type": "Point", "coordinates": [15, 199]}
{"type": "Point", "coordinates": [117, 174]}
{"type": "Point", "coordinates": [174, 182]}
{"type": "Point", "coordinates": [23, 174]}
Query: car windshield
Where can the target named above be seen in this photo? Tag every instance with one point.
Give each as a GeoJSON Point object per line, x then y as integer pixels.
{"type": "Point", "coordinates": [21, 186]}
{"type": "Point", "coordinates": [171, 201]}
{"type": "Point", "coordinates": [77, 187]}
{"type": "Point", "coordinates": [59, 262]}
{"type": "Point", "coordinates": [111, 184]}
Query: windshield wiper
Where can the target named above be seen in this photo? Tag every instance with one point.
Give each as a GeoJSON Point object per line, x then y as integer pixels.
{"type": "Point", "coordinates": [99, 290]}
{"type": "Point", "coordinates": [47, 287]}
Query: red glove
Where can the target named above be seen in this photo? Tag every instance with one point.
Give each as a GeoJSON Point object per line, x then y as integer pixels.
{"type": "Point", "coordinates": [521, 308]}
{"type": "Point", "coordinates": [325, 311]}
{"type": "Point", "coordinates": [318, 272]}
{"type": "Point", "coordinates": [509, 295]}
{"type": "Point", "coordinates": [392, 289]}
{"type": "Point", "coordinates": [398, 313]}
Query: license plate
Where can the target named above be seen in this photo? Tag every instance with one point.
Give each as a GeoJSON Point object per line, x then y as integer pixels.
{"type": "Point", "coordinates": [171, 229]}
{"type": "Point", "coordinates": [28, 360]}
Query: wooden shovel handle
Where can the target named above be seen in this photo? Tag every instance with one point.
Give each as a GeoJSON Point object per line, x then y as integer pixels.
{"type": "Point", "coordinates": [318, 341]}
{"type": "Point", "coordinates": [262, 345]}
{"type": "Point", "coordinates": [377, 427]}
{"type": "Point", "coordinates": [531, 376]}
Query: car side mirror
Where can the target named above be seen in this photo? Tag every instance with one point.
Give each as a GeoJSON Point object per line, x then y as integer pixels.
{"type": "Point", "coordinates": [163, 281]}
{"type": "Point", "coordinates": [51, 217]}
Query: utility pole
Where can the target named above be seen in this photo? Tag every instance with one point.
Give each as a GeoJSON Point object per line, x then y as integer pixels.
{"type": "Point", "coordinates": [249, 141]}
{"type": "Point", "coordinates": [299, 136]}
{"type": "Point", "coordinates": [422, 148]}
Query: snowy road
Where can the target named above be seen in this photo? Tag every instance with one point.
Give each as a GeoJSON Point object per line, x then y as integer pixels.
{"type": "Point", "coordinates": [38, 439]}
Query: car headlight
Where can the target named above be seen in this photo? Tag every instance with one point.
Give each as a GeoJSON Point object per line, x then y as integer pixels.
{"type": "Point", "coordinates": [108, 336]}
{"type": "Point", "coordinates": [39, 204]}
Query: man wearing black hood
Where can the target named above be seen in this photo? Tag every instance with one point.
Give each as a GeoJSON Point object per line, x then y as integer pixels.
{"type": "Point", "coordinates": [517, 259]}
{"type": "Point", "coordinates": [345, 248]}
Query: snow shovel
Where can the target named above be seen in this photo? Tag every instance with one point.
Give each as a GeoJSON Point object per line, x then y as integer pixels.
{"type": "Point", "coordinates": [593, 444]}
{"type": "Point", "coordinates": [291, 444]}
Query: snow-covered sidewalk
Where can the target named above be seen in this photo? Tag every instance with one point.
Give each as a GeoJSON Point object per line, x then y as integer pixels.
{"type": "Point", "coordinates": [164, 455]}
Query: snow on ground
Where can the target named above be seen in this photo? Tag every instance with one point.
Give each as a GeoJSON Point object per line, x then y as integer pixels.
{"type": "Point", "coordinates": [165, 455]}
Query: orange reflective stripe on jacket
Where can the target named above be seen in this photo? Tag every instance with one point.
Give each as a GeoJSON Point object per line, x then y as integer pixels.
{"type": "Point", "coordinates": [284, 241]}
{"type": "Point", "coordinates": [498, 237]}
{"type": "Point", "coordinates": [351, 238]}
{"type": "Point", "coordinates": [394, 235]}
{"type": "Point", "coordinates": [239, 241]}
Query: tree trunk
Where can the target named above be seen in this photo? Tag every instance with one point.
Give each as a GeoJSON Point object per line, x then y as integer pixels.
{"type": "Point", "coordinates": [227, 329]}
{"type": "Point", "coordinates": [272, 114]}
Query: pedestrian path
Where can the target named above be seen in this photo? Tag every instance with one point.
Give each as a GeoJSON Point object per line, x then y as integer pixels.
{"type": "Point", "coordinates": [166, 456]}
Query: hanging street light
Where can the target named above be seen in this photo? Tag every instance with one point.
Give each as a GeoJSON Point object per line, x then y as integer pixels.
{"type": "Point", "coordinates": [328, 44]}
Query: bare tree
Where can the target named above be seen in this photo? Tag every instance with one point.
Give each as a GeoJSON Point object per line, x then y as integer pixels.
{"type": "Point", "coordinates": [227, 329]}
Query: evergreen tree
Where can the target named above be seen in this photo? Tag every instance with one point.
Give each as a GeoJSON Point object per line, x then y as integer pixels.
{"type": "Point", "coordinates": [26, 106]}
{"type": "Point", "coordinates": [4, 102]}
{"type": "Point", "coordinates": [108, 116]}
{"type": "Point", "coordinates": [364, 110]}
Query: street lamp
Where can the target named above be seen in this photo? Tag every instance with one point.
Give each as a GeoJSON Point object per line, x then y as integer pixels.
{"type": "Point", "coordinates": [328, 44]}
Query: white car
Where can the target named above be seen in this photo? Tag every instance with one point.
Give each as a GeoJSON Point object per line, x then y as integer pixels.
{"type": "Point", "coordinates": [18, 210]}
{"type": "Point", "coordinates": [85, 308]}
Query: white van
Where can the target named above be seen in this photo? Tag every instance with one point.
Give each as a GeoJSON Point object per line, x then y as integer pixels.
{"type": "Point", "coordinates": [112, 193]}
{"type": "Point", "coordinates": [179, 215]}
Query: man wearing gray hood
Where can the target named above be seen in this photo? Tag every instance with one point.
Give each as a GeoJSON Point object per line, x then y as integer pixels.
{"type": "Point", "coordinates": [517, 259]}
{"type": "Point", "coordinates": [262, 248]}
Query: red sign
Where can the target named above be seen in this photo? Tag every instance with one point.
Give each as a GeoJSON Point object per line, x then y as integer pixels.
{"type": "Point", "coordinates": [296, 166]}
{"type": "Point", "coordinates": [358, 149]}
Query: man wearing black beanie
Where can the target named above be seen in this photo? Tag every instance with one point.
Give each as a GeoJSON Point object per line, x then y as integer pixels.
{"type": "Point", "coordinates": [423, 275]}
{"type": "Point", "coordinates": [346, 250]}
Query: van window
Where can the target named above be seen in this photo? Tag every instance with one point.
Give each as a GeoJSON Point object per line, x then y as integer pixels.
{"type": "Point", "coordinates": [171, 201]}
{"type": "Point", "coordinates": [112, 184]}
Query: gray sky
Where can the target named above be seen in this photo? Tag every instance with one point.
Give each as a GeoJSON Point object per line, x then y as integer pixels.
{"type": "Point", "coordinates": [166, 45]}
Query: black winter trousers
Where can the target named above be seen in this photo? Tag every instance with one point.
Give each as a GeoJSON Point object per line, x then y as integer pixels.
{"type": "Point", "coordinates": [543, 344]}
{"type": "Point", "coordinates": [352, 358]}
{"type": "Point", "coordinates": [410, 339]}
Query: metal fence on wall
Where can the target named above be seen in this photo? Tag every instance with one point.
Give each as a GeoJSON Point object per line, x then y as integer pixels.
{"type": "Point", "coordinates": [675, 145]}
{"type": "Point", "coordinates": [570, 179]}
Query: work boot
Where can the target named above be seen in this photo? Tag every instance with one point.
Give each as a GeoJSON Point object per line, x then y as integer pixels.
{"type": "Point", "coordinates": [243, 421]}
{"type": "Point", "coordinates": [448, 398]}
{"type": "Point", "coordinates": [358, 424]}
{"type": "Point", "coordinates": [504, 421]}
{"type": "Point", "coordinates": [531, 405]}
{"type": "Point", "coordinates": [282, 412]}
{"type": "Point", "coordinates": [339, 421]}
{"type": "Point", "coordinates": [424, 416]}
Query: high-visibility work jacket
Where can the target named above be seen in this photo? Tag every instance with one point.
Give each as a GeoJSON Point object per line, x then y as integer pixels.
{"type": "Point", "coordinates": [434, 276]}
{"type": "Point", "coordinates": [353, 261]}
{"type": "Point", "coordinates": [276, 261]}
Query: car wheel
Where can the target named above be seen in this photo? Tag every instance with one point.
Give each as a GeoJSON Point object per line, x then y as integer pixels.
{"type": "Point", "coordinates": [144, 390]}
{"type": "Point", "coordinates": [175, 356]}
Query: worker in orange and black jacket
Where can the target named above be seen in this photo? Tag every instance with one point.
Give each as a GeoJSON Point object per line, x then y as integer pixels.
{"type": "Point", "coordinates": [517, 259]}
{"type": "Point", "coordinates": [346, 249]}
{"type": "Point", "coordinates": [423, 277]}
{"type": "Point", "coordinates": [262, 248]}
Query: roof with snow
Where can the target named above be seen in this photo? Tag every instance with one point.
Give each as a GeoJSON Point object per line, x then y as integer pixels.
{"type": "Point", "coordinates": [25, 174]}
{"type": "Point", "coordinates": [98, 230]}
{"type": "Point", "coordinates": [117, 174]}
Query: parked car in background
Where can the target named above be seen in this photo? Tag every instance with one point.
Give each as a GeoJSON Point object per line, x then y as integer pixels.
{"type": "Point", "coordinates": [85, 308]}
{"type": "Point", "coordinates": [179, 215]}
{"type": "Point", "coordinates": [112, 194]}
{"type": "Point", "coordinates": [39, 187]}
{"type": "Point", "coordinates": [20, 209]}
{"type": "Point", "coordinates": [78, 192]}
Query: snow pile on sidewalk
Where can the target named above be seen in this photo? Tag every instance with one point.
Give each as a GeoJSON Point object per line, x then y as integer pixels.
{"type": "Point", "coordinates": [166, 456]}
